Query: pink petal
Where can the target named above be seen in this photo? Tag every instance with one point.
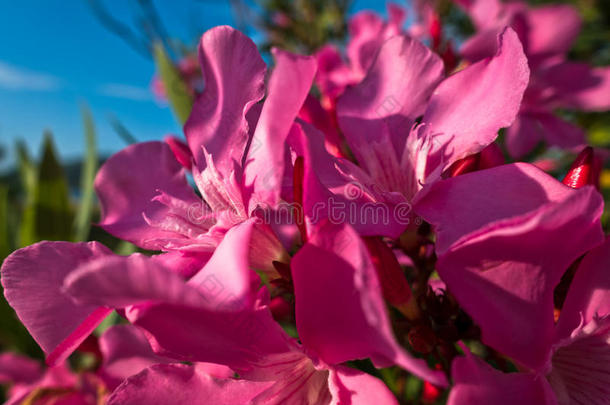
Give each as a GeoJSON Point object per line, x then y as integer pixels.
{"type": "Point", "coordinates": [295, 380]}
{"type": "Point", "coordinates": [186, 321]}
{"type": "Point", "coordinates": [366, 33]}
{"type": "Point", "coordinates": [330, 194]}
{"type": "Point", "coordinates": [350, 386]}
{"type": "Point", "coordinates": [393, 93]}
{"type": "Point", "coordinates": [524, 135]}
{"type": "Point", "coordinates": [288, 87]}
{"type": "Point", "coordinates": [552, 30]}
{"type": "Point", "coordinates": [238, 340]}
{"type": "Point", "coordinates": [230, 265]}
{"type": "Point", "coordinates": [186, 264]}
{"type": "Point", "coordinates": [482, 12]}
{"type": "Point", "coordinates": [591, 92]}
{"type": "Point", "coordinates": [181, 151]}
{"type": "Point", "coordinates": [580, 371]}
{"type": "Point", "coordinates": [234, 75]}
{"type": "Point", "coordinates": [468, 108]}
{"type": "Point", "coordinates": [126, 185]}
{"type": "Point", "coordinates": [18, 369]}
{"type": "Point", "coordinates": [477, 383]}
{"type": "Point", "coordinates": [589, 293]}
{"type": "Point", "coordinates": [333, 74]}
{"type": "Point", "coordinates": [313, 113]}
{"type": "Point", "coordinates": [502, 257]}
{"type": "Point", "coordinates": [531, 128]}
{"type": "Point", "coordinates": [32, 278]}
{"type": "Point", "coordinates": [340, 312]}
{"type": "Point", "coordinates": [126, 352]}
{"type": "Point", "coordinates": [182, 384]}
{"type": "Point", "coordinates": [464, 204]}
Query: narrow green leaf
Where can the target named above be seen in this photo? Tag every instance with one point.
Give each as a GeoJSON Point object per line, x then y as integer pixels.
{"type": "Point", "coordinates": [176, 89]}
{"type": "Point", "coordinates": [122, 131]}
{"type": "Point", "coordinates": [28, 175]}
{"type": "Point", "coordinates": [27, 169]}
{"type": "Point", "coordinates": [52, 215]}
{"type": "Point", "coordinates": [82, 222]}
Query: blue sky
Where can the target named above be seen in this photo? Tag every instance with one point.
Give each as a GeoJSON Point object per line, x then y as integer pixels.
{"type": "Point", "coordinates": [55, 55]}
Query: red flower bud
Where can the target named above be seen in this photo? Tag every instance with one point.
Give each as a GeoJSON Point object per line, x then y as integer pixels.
{"type": "Point", "coordinates": [465, 165]}
{"type": "Point", "coordinates": [298, 179]}
{"type": "Point", "coordinates": [580, 173]}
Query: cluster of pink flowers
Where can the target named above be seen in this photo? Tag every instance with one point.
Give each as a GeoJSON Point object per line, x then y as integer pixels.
{"type": "Point", "coordinates": [318, 225]}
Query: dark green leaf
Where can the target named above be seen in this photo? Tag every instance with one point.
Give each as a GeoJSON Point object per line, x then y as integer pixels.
{"type": "Point", "coordinates": [51, 208]}
{"type": "Point", "coordinates": [82, 222]}
{"type": "Point", "coordinates": [28, 175]}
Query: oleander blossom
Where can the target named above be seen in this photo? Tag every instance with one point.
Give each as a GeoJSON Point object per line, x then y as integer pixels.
{"type": "Point", "coordinates": [576, 369]}
{"type": "Point", "coordinates": [547, 33]}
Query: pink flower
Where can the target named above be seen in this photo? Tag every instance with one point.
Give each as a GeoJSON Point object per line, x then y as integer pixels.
{"type": "Point", "coordinates": [547, 34]}
{"type": "Point", "coordinates": [404, 81]}
{"type": "Point", "coordinates": [232, 145]}
{"type": "Point", "coordinates": [575, 368]}
{"type": "Point", "coordinates": [124, 351]}
{"type": "Point", "coordinates": [505, 236]}
{"type": "Point", "coordinates": [220, 316]}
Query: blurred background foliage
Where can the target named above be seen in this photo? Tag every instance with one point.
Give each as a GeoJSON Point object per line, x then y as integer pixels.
{"type": "Point", "coordinates": [46, 199]}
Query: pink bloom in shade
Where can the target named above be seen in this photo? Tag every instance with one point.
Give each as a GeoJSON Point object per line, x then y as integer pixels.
{"type": "Point", "coordinates": [404, 82]}
{"type": "Point", "coordinates": [220, 316]}
{"type": "Point", "coordinates": [577, 368]}
{"type": "Point", "coordinates": [232, 150]}
{"type": "Point", "coordinates": [59, 385]}
{"type": "Point", "coordinates": [547, 34]}
{"type": "Point", "coordinates": [125, 351]}
{"type": "Point", "coordinates": [502, 256]}
{"type": "Point", "coordinates": [188, 68]}
{"type": "Point", "coordinates": [367, 31]}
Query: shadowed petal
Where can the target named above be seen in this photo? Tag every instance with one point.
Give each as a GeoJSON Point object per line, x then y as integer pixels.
{"type": "Point", "coordinates": [340, 312]}
{"type": "Point", "coordinates": [183, 384]}
{"type": "Point", "coordinates": [126, 185]}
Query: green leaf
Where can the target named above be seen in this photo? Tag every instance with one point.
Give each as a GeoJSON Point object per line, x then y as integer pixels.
{"type": "Point", "coordinates": [28, 175]}
{"type": "Point", "coordinates": [125, 248]}
{"type": "Point", "coordinates": [122, 131]}
{"type": "Point", "coordinates": [176, 89]}
{"type": "Point", "coordinates": [82, 222]}
{"type": "Point", "coordinates": [27, 170]}
{"type": "Point", "coordinates": [48, 216]}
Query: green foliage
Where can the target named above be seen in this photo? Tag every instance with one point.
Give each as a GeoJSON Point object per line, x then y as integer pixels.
{"type": "Point", "coordinates": [82, 223]}
{"type": "Point", "coordinates": [51, 207]}
{"type": "Point", "coordinates": [176, 89]}
{"type": "Point", "coordinates": [303, 26]}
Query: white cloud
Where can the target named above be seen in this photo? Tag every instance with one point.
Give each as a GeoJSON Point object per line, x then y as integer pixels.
{"type": "Point", "coordinates": [17, 78]}
{"type": "Point", "coordinates": [125, 91]}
